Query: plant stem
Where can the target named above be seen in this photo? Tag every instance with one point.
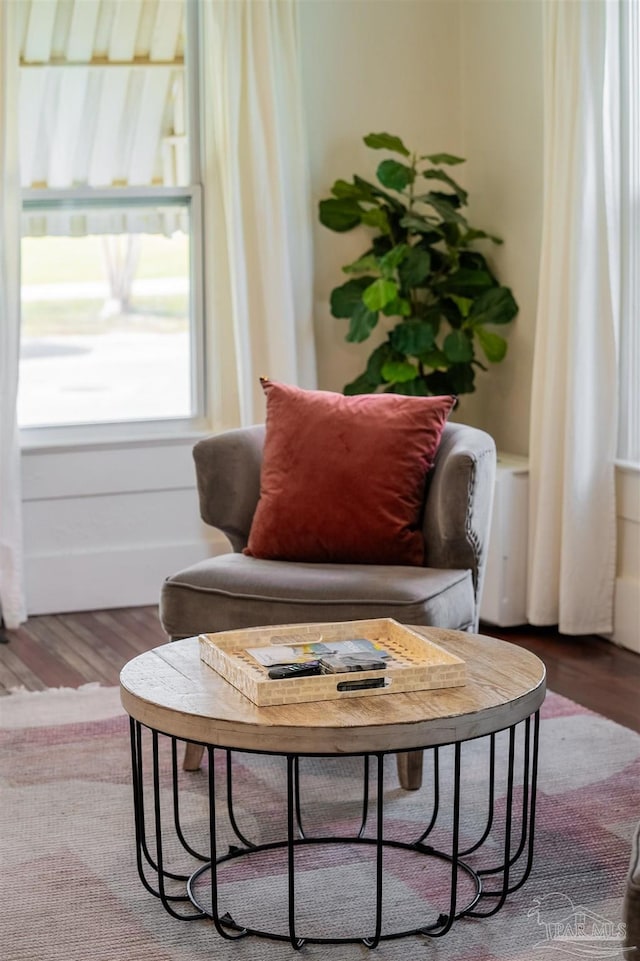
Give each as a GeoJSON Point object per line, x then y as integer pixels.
{"type": "Point", "coordinates": [414, 163]}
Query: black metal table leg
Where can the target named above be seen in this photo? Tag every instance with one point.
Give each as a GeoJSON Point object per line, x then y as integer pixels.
{"type": "Point", "coordinates": [142, 850]}
{"type": "Point", "coordinates": [492, 883]}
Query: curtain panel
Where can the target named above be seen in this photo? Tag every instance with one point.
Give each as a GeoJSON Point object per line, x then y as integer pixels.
{"type": "Point", "coordinates": [629, 347]}
{"type": "Point", "coordinates": [11, 580]}
{"type": "Point", "coordinates": [575, 384]}
{"type": "Point", "coordinates": [257, 216]}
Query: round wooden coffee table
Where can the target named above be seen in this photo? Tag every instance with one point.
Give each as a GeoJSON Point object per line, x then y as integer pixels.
{"type": "Point", "coordinates": [170, 693]}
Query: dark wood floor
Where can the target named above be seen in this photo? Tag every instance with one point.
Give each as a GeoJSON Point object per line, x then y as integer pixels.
{"type": "Point", "coordinates": [588, 669]}
{"type": "Point", "coordinates": [67, 650]}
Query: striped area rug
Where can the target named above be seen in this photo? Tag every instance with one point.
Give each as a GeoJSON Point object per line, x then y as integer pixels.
{"type": "Point", "coordinates": [70, 890]}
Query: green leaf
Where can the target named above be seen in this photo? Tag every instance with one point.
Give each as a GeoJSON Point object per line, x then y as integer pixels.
{"type": "Point", "coordinates": [430, 313]}
{"type": "Point", "coordinates": [443, 262]}
{"type": "Point", "coordinates": [380, 293]}
{"type": "Point", "coordinates": [343, 188]}
{"type": "Point", "coordinates": [464, 304]}
{"type": "Point", "coordinates": [458, 347]}
{"type": "Point", "coordinates": [420, 224]}
{"type": "Point", "coordinates": [362, 323]}
{"type": "Point", "coordinates": [441, 196]}
{"type": "Point", "coordinates": [395, 175]}
{"type": "Point", "coordinates": [376, 217]}
{"type": "Point", "coordinates": [399, 371]}
{"type": "Point", "coordinates": [386, 141]}
{"type": "Point", "coordinates": [346, 298]}
{"type": "Point", "coordinates": [458, 379]}
{"type": "Point", "coordinates": [412, 337]}
{"type": "Point", "coordinates": [361, 385]}
{"type": "Point", "coordinates": [451, 313]}
{"type": "Point", "coordinates": [473, 234]}
{"type": "Point", "coordinates": [451, 234]}
{"type": "Point", "coordinates": [495, 306]}
{"type": "Point", "coordinates": [415, 268]}
{"type": "Point", "coordinates": [376, 362]}
{"type": "Point", "coordinates": [474, 260]}
{"type": "Point", "coordinates": [390, 261]}
{"type": "Point", "coordinates": [443, 158]}
{"type": "Point", "coordinates": [461, 379]}
{"type": "Point", "coordinates": [412, 388]}
{"type": "Point", "coordinates": [435, 359]}
{"type": "Point", "coordinates": [368, 262]}
{"type": "Point", "coordinates": [467, 283]}
{"type": "Point", "coordinates": [493, 345]}
{"type": "Point", "coordinates": [341, 214]}
{"type": "Point", "coordinates": [381, 245]}
{"type": "Point", "coordinates": [374, 192]}
{"type": "Point", "coordinates": [398, 307]}
{"type": "Point", "coordinates": [443, 177]}
{"type": "Point", "coordinates": [442, 206]}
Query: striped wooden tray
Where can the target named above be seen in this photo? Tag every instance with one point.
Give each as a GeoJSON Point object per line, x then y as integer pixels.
{"type": "Point", "coordinates": [415, 663]}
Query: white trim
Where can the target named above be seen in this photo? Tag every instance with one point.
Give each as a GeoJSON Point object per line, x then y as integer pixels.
{"type": "Point", "coordinates": [627, 614]}
{"type": "Point", "coordinates": [177, 64]}
{"type": "Point", "coordinates": [105, 526]}
{"type": "Point", "coordinates": [43, 444]}
{"type": "Point", "coordinates": [118, 433]}
{"type": "Point", "coordinates": [46, 196]}
{"type": "Point", "coordinates": [197, 305]}
{"type": "Point", "coordinates": [627, 465]}
{"type": "Point", "coordinates": [628, 497]}
{"type": "Point", "coordinates": [101, 579]}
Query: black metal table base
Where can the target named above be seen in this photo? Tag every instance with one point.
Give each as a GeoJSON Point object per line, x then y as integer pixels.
{"type": "Point", "coordinates": [494, 865]}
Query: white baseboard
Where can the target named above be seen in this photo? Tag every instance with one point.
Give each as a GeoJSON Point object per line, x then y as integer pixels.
{"type": "Point", "coordinates": [101, 579]}
{"type": "Point", "coordinates": [627, 614]}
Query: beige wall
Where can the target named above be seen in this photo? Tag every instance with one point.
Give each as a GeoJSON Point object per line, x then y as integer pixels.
{"type": "Point", "coordinates": [502, 111]}
{"type": "Point", "coordinates": [463, 76]}
{"type": "Point", "coordinates": [369, 66]}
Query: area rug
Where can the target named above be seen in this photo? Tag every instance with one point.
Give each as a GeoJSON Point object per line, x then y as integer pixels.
{"type": "Point", "coordinates": [70, 890]}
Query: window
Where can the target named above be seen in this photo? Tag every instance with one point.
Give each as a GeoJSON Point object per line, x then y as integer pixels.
{"type": "Point", "coordinates": [111, 249]}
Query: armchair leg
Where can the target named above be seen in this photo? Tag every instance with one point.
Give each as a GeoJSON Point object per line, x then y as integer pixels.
{"type": "Point", "coordinates": [192, 756]}
{"type": "Point", "coordinates": [410, 769]}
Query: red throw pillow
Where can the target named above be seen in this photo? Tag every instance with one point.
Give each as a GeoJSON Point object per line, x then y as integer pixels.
{"type": "Point", "coordinates": [343, 478]}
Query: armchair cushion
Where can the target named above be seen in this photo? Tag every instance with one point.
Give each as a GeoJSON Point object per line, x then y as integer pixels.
{"type": "Point", "coordinates": [233, 591]}
{"type": "Point", "coordinates": [343, 478]}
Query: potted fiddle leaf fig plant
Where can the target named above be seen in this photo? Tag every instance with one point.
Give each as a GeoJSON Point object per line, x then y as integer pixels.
{"type": "Point", "coordinates": [422, 276]}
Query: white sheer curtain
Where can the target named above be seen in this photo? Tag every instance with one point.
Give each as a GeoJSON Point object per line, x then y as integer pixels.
{"type": "Point", "coordinates": [574, 406]}
{"type": "Point", "coordinates": [11, 589]}
{"type": "Point", "coordinates": [258, 258]}
{"type": "Point", "coordinates": [629, 432]}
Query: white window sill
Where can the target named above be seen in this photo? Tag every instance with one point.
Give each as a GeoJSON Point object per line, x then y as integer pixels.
{"type": "Point", "coordinates": [110, 436]}
{"type": "Point", "coordinates": [627, 465]}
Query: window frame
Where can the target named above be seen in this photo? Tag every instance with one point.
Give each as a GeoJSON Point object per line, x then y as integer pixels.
{"type": "Point", "coordinates": [33, 199]}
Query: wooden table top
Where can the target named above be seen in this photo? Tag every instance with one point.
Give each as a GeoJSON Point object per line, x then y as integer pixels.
{"type": "Point", "coordinates": [171, 690]}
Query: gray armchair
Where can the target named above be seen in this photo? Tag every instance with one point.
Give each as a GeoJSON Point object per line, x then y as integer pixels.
{"type": "Point", "coordinates": [235, 591]}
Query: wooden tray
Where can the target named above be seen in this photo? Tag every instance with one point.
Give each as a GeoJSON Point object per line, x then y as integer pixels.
{"type": "Point", "coordinates": [415, 663]}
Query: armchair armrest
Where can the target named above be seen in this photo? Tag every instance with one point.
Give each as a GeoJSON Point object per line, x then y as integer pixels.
{"type": "Point", "coordinates": [228, 476]}
{"type": "Point", "coordinates": [459, 503]}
